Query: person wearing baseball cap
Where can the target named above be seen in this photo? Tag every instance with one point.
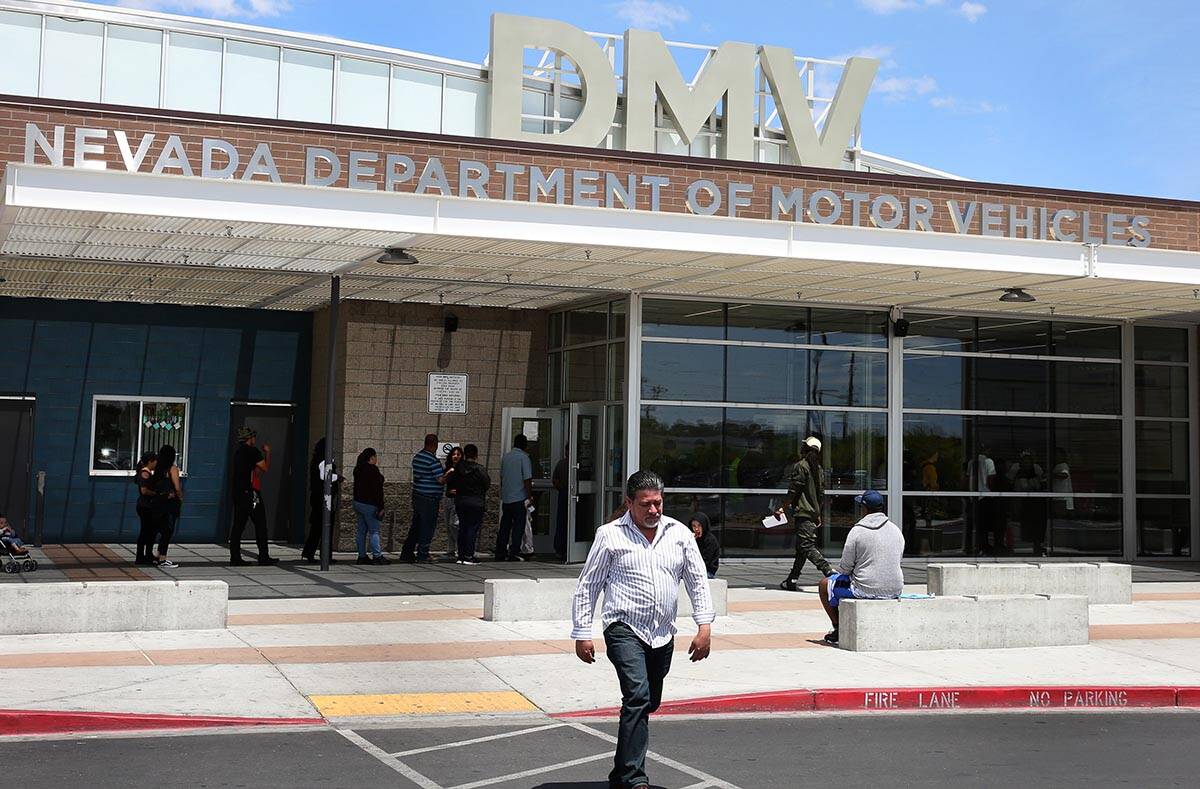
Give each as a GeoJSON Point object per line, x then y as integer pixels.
{"type": "Point", "coordinates": [870, 565]}
{"type": "Point", "coordinates": [806, 498]}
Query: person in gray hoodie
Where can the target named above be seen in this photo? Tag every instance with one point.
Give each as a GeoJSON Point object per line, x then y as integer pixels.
{"type": "Point", "coordinates": [870, 565]}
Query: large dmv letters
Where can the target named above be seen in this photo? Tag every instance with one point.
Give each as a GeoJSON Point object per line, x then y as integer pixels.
{"type": "Point", "coordinates": [651, 73]}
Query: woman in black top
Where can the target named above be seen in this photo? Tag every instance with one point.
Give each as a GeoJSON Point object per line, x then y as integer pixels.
{"type": "Point", "coordinates": [141, 479]}
{"type": "Point", "coordinates": [316, 503]}
{"type": "Point", "coordinates": [168, 501]}
{"type": "Point", "coordinates": [706, 541]}
{"type": "Point", "coordinates": [368, 503]}
{"type": "Point", "coordinates": [449, 511]}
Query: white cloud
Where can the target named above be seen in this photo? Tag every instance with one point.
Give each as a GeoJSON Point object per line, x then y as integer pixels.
{"type": "Point", "coordinates": [972, 11]}
{"type": "Point", "coordinates": [221, 9]}
{"type": "Point", "coordinates": [892, 6]}
{"type": "Point", "coordinates": [902, 88]}
{"type": "Point", "coordinates": [650, 14]}
{"type": "Point", "coordinates": [952, 104]}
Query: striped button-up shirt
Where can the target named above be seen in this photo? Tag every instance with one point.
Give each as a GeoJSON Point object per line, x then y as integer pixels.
{"type": "Point", "coordinates": [426, 468]}
{"type": "Point", "coordinates": [640, 580]}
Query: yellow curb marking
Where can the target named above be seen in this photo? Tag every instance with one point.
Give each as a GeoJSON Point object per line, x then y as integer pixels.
{"type": "Point", "coordinates": [421, 703]}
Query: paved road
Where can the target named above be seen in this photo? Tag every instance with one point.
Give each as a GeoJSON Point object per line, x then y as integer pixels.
{"type": "Point", "coordinates": [1138, 749]}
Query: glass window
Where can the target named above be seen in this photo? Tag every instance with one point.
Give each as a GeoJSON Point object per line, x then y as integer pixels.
{"type": "Point", "coordinates": [936, 382]}
{"type": "Point", "coordinates": [251, 82]}
{"type": "Point", "coordinates": [20, 53]}
{"type": "Point", "coordinates": [1011, 384]}
{"type": "Point", "coordinates": [848, 378]}
{"type": "Point", "coordinates": [363, 93]}
{"type": "Point", "coordinates": [533, 102]}
{"type": "Point", "coordinates": [1099, 341]}
{"type": "Point", "coordinates": [122, 430]}
{"type": "Point", "coordinates": [193, 73]}
{"type": "Point", "coordinates": [554, 380]}
{"type": "Point", "coordinates": [1160, 344]}
{"type": "Point", "coordinates": [678, 371]}
{"type": "Point", "coordinates": [940, 333]}
{"type": "Point", "coordinates": [132, 66]}
{"type": "Point", "coordinates": [854, 448]}
{"type": "Point", "coordinates": [617, 320]}
{"type": "Point", "coordinates": [1085, 456]}
{"type": "Point", "coordinates": [767, 375]}
{"type": "Point", "coordinates": [1161, 390]}
{"type": "Point", "coordinates": [936, 525]}
{"type": "Point", "coordinates": [681, 506]}
{"type": "Point", "coordinates": [1009, 454]}
{"type": "Point", "coordinates": [556, 329]}
{"type": "Point", "coordinates": [1086, 387]}
{"type": "Point", "coordinates": [614, 421]}
{"type": "Point", "coordinates": [585, 373]}
{"type": "Point", "coordinates": [1162, 457]}
{"type": "Point", "coordinates": [683, 444]}
{"type": "Point", "coordinates": [759, 446]}
{"type": "Point", "coordinates": [71, 66]}
{"type": "Point", "coordinates": [1005, 335]}
{"type": "Point", "coordinates": [587, 324]}
{"type": "Point", "coordinates": [1084, 526]}
{"type": "Point", "coordinates": [464, 108]}
{"type": "Point", "coordinates": [742, 532]}
{"type": "Point", "coordinates": [306, 86]}
{"type": "Point", "coordinates": [416, 100]}
{"type": "Point", "coordinates": [1164, 527]}
{"type": "Point", "coordinates": [843, 327]}
{"type": "Point", "coordinates": [691, 319]}
{"type": "Point", "coordinates": [616, 371]}
{"type": "Point", "coordinates": [936, 447]}
{"type": "Point", "coordinates": [765, 323]}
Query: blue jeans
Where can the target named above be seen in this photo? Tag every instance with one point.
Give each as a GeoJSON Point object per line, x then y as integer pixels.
{"type": "Point", "coordinates": [424, 521]}
{"type": "Point", "coordinates": [368, 529]}
{"type": "Point", "coordinates": [640, 670]}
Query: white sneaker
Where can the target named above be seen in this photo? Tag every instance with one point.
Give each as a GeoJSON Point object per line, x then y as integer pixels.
{"type": "Point", "coordinates": [469, 562]}
{"type": "Point", "coordinates": [166, 563]}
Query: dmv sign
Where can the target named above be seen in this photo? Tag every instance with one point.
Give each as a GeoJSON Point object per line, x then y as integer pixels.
{"type": "Point", "coordinates": [651, 74]}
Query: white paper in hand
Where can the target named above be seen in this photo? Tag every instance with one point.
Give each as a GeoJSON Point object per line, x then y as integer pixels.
{"type": "Point", "coordinates": [771, 521]}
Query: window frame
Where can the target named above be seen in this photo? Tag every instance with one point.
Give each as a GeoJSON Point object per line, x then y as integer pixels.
{"type": "Point", "coordinates": [141, 400]}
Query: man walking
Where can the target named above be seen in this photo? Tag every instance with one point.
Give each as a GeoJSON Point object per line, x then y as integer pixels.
{"type": "Point", "coordinates": [806, 497]}
{"type": "Point", "coordinates": [516, 493]}
{"type": "Point", "coordinates": [637, 561]}
{"type": "Point", "coordinates": [427, 482]}
{"type": "Point", "coordinates": [248, 463]}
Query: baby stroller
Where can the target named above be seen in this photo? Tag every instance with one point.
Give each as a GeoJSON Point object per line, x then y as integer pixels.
{"type": "Point", "coordinates": [15, 556]}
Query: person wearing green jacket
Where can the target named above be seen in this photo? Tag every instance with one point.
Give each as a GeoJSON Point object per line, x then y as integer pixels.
{"type": "Point", "coordinates": [806, 497]}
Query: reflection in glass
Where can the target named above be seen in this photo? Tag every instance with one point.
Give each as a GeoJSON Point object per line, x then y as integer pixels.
{"type": "Point", "coordinates": [362, 93]}
{"type": "Point", "coordinates": [690, 319]}
{"type": "Point", "coordinates": [680, 506]}
{"type": "Point", "coordinates": [416, 101]}
{"type": "Point", "coordinates": [682, 444]}
{"type": "Point", "coordinates": [71, 66]}
{"type": "Point", "coordinates": [936, 381]}
{"type": "Point", "coordinates": [614, 445]}
{"type": "Point", "coordinates": [1160, 344]}
{"type": "Point", "coordinates": [1164, 527]}
{"type": "Point", "coordinates": [940, 333]}
{"type": "Point", "coordinates": [20, 48]}
{"type": "Point", "coordinates": [743, 533]}
{"type": "Point", "coordinates": [855, 378]}
{"type": "Point", "coordinates": [586, 369]}
{"type": "Point", "coordinates": [554, 380]}
{"type": "Point", "coordinates": [556, 328]}
{"type": "Point", "coordinates": [587, 324]}
{"type": "Point", "coordinates": [759, 445]}
{"type": "Point", "coordinates": [677, 371]}
{"type": "Point", "coordinates": [767, 375]}
{"type": "Point", "coordinates": [1161, 390]}
{"type": "Point", "coordinates": [1090, 527]}
{"type": "Point", "coordinates": [193, 73]}
{"type": "Point", "coordinates": [1162, 457]}
{"type": "Point", "coordinates": [767, 323]}
{"type": "Point", "coordinates": [616, 371]}
{"type": "Point", "coordinates": [936, 446]}
{"type": "Point", "coordinates": [115, 436]}
{"type": "Point", "coordinates": [1085, 456]}
{"type": "Point", "coordinates": [845, 327]}
{"type": "Point", "coordinates": [464, 108]}
{"type": "Point", "coordinates": [934, 525]}
{"type": "Point", "coordinates": [616, 323]}
{"type": "Point", "coordinates": [854, 449]}
{"type": "Point", "coordinates": [1086, 387]}
{"type": "Point", "coordinates": [1011, 384]}
{"type": "Point", "coordinates": [1095, 340]}
{"type": "Point", "coordinates": [306, 86]}
{"type": "Point", "coordinates": [1008, 335]}
{"type": "Point", "coordinates": [251, 79]}
{"type": "Point", "coordinates": [165, 423]}
{"type": "Point", "coordinates": [133, 65]}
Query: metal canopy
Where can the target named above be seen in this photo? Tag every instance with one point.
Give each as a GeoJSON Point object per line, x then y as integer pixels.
{"type": "Point", "coordinates": [175, 240]}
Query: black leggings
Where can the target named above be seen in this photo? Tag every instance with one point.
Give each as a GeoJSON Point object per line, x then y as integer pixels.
{"type": "Point", "coordinates": [166, 529]}
{"type": "Point", "coordinates": [145, 540]}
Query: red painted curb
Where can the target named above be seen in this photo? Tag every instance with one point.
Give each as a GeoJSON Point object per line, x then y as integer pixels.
{"type": "Point", "coordinates": [20, 722]}
{"type": "Point", "coordinates": [928, 698]}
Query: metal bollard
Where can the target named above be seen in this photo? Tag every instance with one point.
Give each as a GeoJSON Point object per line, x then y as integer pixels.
{"type": "Point", "coordinates": [39, 512]}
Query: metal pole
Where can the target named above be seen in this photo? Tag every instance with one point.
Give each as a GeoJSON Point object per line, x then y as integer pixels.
{"type": "Point", "coordinates": [39, 517]}
{"type": "Point", "coordinates": [335, 284]}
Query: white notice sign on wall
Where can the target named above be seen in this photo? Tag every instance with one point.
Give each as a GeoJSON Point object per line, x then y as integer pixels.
{"type": "Point", "coordinates": [447, 393]}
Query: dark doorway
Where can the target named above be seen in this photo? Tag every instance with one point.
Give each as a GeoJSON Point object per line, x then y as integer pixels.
{"type": "Point", "coordinates": [16, 460]}
{"type": "Point", "coordinates": [273, 423]}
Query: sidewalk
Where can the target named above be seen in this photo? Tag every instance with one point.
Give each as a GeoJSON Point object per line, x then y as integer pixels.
{"type": "Point", "coordinates": [406, 658]}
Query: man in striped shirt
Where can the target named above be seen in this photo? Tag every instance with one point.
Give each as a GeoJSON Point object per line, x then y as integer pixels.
{"type": "Point", "coordinates": [637, 561]}
{"type": "Point", "coordinates": [427, 481]}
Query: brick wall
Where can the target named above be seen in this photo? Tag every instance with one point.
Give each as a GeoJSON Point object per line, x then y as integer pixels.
{"type": "Point", "coordinates": [1175, 224]}
{"type": "Point", "coordinates": [386, 353]}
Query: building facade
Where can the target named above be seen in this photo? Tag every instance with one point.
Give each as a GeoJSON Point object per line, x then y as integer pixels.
{"type": "Point", "coordinates": [1012, 366]}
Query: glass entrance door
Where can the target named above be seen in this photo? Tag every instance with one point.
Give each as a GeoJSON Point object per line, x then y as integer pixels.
{"type": "Point", "coordinates": [586, 484]}
{"type": "Point", "coordinates": [543, 429]}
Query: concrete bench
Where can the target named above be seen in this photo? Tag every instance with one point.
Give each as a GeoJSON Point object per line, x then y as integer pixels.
{"type": "Point", "coordinates": [1099, 582]}
{"type": "Point", "coordinates": [963, 622]}
{"type": "Point", "coordinates": [112, 606]}
{"type": "Point", "coordinates": [549, 599]}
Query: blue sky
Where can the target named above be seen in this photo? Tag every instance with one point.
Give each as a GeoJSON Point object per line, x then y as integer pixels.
{"type": "Point", "coordinates": [1085, 94]}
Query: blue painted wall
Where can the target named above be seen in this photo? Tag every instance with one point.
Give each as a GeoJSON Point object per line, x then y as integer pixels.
{"type": "Point", "coordinates": [64, 352]}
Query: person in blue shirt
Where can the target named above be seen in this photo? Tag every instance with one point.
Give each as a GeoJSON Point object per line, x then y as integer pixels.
{"type": "Point", "coordinates": [428, 479]}
{"type": "Point", "coordinates": [516, 493]}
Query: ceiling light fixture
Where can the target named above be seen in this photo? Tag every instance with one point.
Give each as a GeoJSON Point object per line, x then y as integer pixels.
{"type": "Point", "coordinates": [397, 257]}
{"type": "Point", "coordinates": [1016, 296]}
